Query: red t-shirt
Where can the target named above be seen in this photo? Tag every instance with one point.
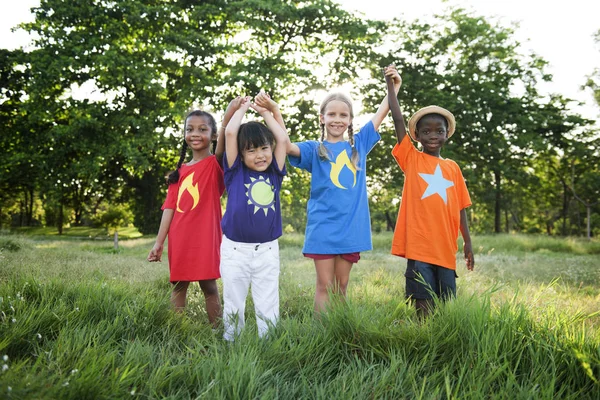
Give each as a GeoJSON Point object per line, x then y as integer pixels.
{"type": "Point", "coordinates": [195, 231]}
{"type": "Point", "coordinates": [434, 193]}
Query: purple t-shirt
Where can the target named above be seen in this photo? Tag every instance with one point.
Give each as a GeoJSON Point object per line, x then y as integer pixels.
{"type": "Point", "coordinates": [253, 213]}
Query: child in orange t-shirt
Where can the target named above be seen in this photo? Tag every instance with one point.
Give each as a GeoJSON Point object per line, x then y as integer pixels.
{"type": "Point", "coordinates": [432, 211]}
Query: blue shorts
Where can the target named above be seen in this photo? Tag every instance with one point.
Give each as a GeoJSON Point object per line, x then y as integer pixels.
{"type": "Point", "coordinates": [439, 281]}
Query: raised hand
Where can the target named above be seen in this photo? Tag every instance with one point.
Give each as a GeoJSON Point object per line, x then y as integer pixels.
{"type": "Point", "coordinates": [390, 71]}
{"type": "Point", "coordinates": [232, 107]}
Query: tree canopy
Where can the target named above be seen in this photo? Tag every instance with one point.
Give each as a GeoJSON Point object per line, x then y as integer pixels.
{"type": "Point", "coordinates": [145, 63]}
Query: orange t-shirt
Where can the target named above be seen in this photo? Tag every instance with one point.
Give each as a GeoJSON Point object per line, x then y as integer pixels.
{"type": "Point", "coordinates": [434, 193]}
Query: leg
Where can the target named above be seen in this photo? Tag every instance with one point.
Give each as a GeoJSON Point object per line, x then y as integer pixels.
{"type": "Point", "coordinates": [341, 271]}
{"type": "Point", "coordinates": [421, 286]}
{"type": "Point", "coordinates": [178, 295]}
{"type": "Point", "coordinates": [446, 283]}
{"type": "Point", "coordinates": [424, 307]}
{"type": "Point", "coordinates": [213, 302]}
{"type": "Point", "coordinates": [265, 288]}
{"type": "Point", "coordinates": [235, 276]}
{"type": "Point", "coordinates": [325, 281]}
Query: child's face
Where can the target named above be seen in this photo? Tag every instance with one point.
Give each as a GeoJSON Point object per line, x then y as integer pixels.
{"type": "Point", "coordinates": [198, 133]}
{"type": "Point", "coordinates": [336, 119]}
{"type": "Point", "coordinates": [432, 133]}
{"type": "Point", "coordinates": [258, 158]}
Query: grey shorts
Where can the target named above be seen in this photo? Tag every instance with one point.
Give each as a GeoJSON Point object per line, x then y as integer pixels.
{"type": "Point", "coordinates": [424, 281]}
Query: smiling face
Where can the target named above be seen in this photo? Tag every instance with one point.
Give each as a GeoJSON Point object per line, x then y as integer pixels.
{"type": "Point", "coordinates": [336, 116]}
{"type": "Point", "coordinates": [432, 132]}
{"type": "Point", "coordinates": [258, 158]}
{"type": "Point", "coordinates": [198, 133]}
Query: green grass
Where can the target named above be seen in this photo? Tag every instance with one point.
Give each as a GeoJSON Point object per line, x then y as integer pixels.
{"type": "Point", "coordinates": [79, 320]}
{"type": "Point", "coordinates": [78, 232]}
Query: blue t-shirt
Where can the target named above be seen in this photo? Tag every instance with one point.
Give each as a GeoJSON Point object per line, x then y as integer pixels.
{"type": "Point", "coordinates": [253, 213]}
{"type": "Point", "coordinates": [338, 220]}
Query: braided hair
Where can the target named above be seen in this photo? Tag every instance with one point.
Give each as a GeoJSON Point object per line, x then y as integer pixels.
{"type": "Point", "coordinates": [173, 177]}
{"type": "Point", "coordinates": [322, 152]}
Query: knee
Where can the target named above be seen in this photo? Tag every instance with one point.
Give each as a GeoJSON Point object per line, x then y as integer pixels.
{"type": "Point", "coordinates": [342, 285]}
{"type": "Point", "coordinates": [180, 286]}
{"type": "Point", "coordinates": [209, 288]}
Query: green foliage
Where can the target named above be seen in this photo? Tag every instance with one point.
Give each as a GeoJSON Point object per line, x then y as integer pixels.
{"type": "Point", "coordinates": [498, 339]}
{"type": "Point", "coordinates": [526, 157]}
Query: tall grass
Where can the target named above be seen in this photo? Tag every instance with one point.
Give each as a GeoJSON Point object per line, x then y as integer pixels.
{"type": "Point", "coordinates": [78, 321]}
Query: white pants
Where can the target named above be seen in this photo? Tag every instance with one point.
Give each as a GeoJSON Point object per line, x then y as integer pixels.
{"type": "Point", "coordinates": [242, 265]}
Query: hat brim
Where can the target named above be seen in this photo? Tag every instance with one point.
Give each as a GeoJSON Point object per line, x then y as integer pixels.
{"type": "Point", "coordinates": [412, 122]}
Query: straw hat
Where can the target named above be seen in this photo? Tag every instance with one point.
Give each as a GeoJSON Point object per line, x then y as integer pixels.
{"type": "Point", "coordinates": [412, 122]}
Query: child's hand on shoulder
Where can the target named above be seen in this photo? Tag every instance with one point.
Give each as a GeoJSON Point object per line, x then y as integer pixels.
{"type": "Point", "coordinates": [392, 72]}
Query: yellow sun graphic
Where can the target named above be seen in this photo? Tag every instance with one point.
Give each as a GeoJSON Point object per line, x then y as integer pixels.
{"type": "Point", "coordinates": [261, 194]}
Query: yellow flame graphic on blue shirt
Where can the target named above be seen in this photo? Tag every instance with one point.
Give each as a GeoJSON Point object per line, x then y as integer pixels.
{"type": "Point", "coordinates": [187, 185]}
{"type": "Point", "coordinates": [341, 161]}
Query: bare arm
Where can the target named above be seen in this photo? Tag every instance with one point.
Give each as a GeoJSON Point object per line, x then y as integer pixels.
{"type": "Point", "coordinates": [233, 106]}
{"type": "Point", "coordinates": [165, 222]}
{"type": "Point", "coordinates": [384, 107]}
{"type": "Point", "coordinates": [272, 116]}
{"type": "Point", "coordinates": [264, 100]}
{"type": "Point", "coordinates": [232, 129]}
{"type": "Point", "coordinates": [468, 247]}
{"type": "Point", "coordinates": [399, 124]}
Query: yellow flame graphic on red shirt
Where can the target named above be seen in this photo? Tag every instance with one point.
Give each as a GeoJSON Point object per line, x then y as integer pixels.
{"type": "Point", "coordinates": [186, 185]}
{"type": "Point", "coordinates": [341, 161]}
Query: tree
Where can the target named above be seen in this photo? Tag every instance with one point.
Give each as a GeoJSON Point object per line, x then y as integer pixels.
{"type": "Point", "coordinates": [474, 68]}
{"type": "Point", "coordinates": [152, 60]}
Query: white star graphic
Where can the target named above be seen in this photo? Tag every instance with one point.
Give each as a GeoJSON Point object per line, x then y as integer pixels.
{"type": "Point", "coordinates": [436, 184]}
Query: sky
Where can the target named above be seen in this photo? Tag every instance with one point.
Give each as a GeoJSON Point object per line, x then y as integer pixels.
{"type": "Point", "coordinates": [560, 32]}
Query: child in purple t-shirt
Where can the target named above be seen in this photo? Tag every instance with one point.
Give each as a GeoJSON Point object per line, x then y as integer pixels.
{"type": "Point", "coordinates": [254, 170]}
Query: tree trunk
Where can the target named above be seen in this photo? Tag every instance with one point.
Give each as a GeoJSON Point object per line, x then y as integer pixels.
{"type": "Point", "coordinates": [391, 223]}
{"type": "Point", "coordinates": [589, 225]}
{"type": "Point", "coordinates": [116, 240]}
{"type": "Point", "coordinates": [565, 210]}
{"type": "Point", "coordinates": [59, 221]}
{"type": "Point", "coordinates": [497, 208]}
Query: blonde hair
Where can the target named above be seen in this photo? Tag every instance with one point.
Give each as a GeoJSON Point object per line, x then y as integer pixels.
{"type": "Point", "coordinates": [322, 152]}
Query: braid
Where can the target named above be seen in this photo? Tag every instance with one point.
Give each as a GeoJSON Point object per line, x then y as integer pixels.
{"type": "Point", "coordinates": [323, 155]}
{"type": "Point", "coordinates": [355, 156]}
{"type": "Point", "coordinates": [174, 176]}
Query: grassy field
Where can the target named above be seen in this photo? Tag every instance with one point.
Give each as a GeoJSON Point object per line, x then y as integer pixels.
{"type": "Point", "coordinates": [79, 320]}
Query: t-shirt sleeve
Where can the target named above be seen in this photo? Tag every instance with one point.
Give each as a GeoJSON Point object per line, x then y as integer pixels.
{"type": "Point", "coordinates": [171, 200]}
{"type": "Point", "coordinates": [230, 171]}
{"type": "Point", "coordinates": [366, 138]}
{"type": "Point", "coordinates": [307, 153]}
{"type": "Point", "coordinates": [402, 152]}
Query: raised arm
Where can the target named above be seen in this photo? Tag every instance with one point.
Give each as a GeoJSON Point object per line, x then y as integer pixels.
{"type": "Point", "coordinates": [269, 110]}
{"type": "Point", "coordinates": [263, 100]}
{"type": "Point", "coordinates": [232, 129]}
{"type": "Point", "coordinates": [467, 247]}
{"type": "Point", "coordinates": [384, 107]}
{"type": "Point", "coordinates": [399, 124]}
{"type": "Point", "coordinates": [233, 106]}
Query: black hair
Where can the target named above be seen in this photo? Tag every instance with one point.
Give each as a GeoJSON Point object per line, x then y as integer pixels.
{"type": "Point", "coordinates": [173, 177]}
{"type": "Point", "coordinates": [432, 115]}
{"type": "Point", "coordinates": [254, 135]}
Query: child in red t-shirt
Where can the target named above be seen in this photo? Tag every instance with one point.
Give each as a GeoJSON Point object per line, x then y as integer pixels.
{"type": "Point", "coordinates": [433, 207]}
{"type": "Point", "coordinates": [192, 214]}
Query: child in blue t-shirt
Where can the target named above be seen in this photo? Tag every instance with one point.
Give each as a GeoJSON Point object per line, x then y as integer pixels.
{"type": "Point", "coordinates": [254, 167]}
{"type": "Point", "coordinates": [338, 224]}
